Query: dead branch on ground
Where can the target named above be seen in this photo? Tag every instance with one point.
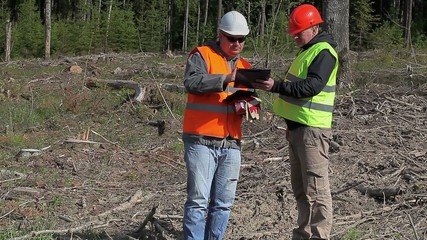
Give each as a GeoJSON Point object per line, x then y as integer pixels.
{"type": "Point", "coordinates": [150, 218]}
{"type": "Point", "coordinates": [383, 193]}
{"type": "Point", "coordinates": [8, 172]}
{"type": "Point", "coordinates": [100, 221]}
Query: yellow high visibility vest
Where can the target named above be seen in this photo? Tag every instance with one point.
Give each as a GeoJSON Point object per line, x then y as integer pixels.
{"type": "Point", "coordinates": [313, 111]}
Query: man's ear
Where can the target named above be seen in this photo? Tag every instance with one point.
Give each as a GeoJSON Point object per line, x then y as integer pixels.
{"type": "Point", "coordinates": [315, 29]}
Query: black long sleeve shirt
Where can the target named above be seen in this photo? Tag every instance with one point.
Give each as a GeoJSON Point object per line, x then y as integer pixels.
{"type": "Point", "coordinates": [318, 75]}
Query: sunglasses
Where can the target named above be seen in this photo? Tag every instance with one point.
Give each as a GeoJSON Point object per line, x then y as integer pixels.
{"type": "Point", "coordinates": [234, 39]}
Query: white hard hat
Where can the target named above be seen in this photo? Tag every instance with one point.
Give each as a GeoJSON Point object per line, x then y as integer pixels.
{"type": "Point", "coordinates": [234, 23]}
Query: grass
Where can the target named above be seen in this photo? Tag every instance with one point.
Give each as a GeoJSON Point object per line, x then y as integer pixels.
{"type": "Point", "coordinates": [25, 70]}
{"type": "Point", "coordinates": [352, 234]}
{"type": "Point", "coordinates": [45, 113]}
{"type": "Point", "coordinates": [178, 146]}
{"type": "Point", "coordinates": [37, 225]}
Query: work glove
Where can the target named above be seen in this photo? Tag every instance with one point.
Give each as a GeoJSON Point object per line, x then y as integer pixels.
{"type": "Point", "coordinates": [249, 106]}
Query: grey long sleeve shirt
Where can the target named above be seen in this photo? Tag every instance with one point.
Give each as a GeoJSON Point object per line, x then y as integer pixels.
{"type": "Point", "coordinates": [197, 80]}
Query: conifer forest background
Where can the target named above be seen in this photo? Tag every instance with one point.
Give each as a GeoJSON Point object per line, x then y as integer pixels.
{"type": "Point", "coordinates": [92, 103]}
{"type": "Point", "coordinates": [93, 26]}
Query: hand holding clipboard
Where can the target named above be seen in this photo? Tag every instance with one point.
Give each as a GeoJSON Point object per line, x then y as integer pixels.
{"type": "Point", "coordinates": [248, 76]}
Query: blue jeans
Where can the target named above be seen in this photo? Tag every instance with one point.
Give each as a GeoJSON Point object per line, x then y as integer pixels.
{"type": "Point", "coordinates": [212, 175]}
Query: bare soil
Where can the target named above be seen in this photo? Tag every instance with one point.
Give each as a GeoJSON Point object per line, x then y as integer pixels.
{"type": "Point", "coordinates": [128, 182]}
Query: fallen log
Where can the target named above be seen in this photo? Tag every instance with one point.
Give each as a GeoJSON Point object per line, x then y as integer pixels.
{"type": "Point", "coordinates": [119, 84]}
{"type": "Point", "coordinates": [380, 193]}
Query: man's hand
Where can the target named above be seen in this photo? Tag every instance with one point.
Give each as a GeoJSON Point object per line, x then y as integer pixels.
{"type": "Point", "coordinates": [265, 85]}
{"type": "Point", "coordinates": [230, 77]}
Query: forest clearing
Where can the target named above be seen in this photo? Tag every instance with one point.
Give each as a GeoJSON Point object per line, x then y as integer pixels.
{"type": "Point", "coordinates": [90, 161]}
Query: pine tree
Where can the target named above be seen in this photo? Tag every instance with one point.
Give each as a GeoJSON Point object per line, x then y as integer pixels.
{"type": "Point", "coordinates": [362, 19]}
{"type": "Point", "coordinates": [151, 27]}
{"type": "Point", "coordinates": [123, 34]}
{"type": "Point", "coordinates": [28, 32]}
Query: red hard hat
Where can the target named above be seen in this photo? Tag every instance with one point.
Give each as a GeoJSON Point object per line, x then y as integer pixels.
{"type": "Point", "coordinates": [303, 17]}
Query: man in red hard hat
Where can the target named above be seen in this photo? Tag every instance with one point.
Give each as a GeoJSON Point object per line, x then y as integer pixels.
{"type": "Point", "coordinates": [306, 101]}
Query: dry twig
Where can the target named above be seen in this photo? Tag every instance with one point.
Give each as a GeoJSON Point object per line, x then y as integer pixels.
{"type": "Point", "coordinates": [98, 223]}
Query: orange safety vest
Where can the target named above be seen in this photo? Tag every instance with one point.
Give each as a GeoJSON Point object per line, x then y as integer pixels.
{"type": "Point", "coordinates": [208, 114]}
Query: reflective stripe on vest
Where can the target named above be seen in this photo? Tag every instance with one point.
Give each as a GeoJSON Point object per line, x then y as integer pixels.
{"type": "Point", "coordinates": [208, 114]}
{"type": "Point", "coordinates": [313, 111]}
{"type": "Point", "coordinates": [210, 108]}
{"type": "Point", "coordinates": [308, 104]}
{"type": "Point", "coordinates": [305, 103]}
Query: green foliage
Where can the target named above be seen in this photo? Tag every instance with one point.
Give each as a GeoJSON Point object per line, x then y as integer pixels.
{"type": "Point", "coordinates": [28, 34]}
{"type": "Point", "coordinates": [207, 33]}
{"type": "Point", "coordinates": [39, 224]}
{"type": "Point", "coordinates": [362, 19]}
{"type": "Point", "coordinates": [192, 25]}
{"type": "Point", "coordinates": [419, 37]}
{"type": "Point", "coordinates": [45, 107]}
{"type": "Point", "coordinates": [177, 146]}
{"type": "Point", "coordinates": [387, 36]}
{"type": "Point", "coordinates": [352, 234]}
{"type": "Point", "coordinates": [174, 104]}
{"type": "Point", "coordinates": [13, 140]}
{"type": "Point", "coordinates": [281, 42]}
{"type": "Point", "coordinates": [9, 233]}
{"type": "Point", "coordinates": [85, 27]}
{"type": "Point", "coordinates": [151, 25]}
{"type": "Point", "coordinates": [74, 38]}
{"type": "Point", "coordinates": [56, 201]}
{"type": "Point", "coordinates": [2, 36]}
{"type": "Point", "coordinates": [123, 35]}
{"type": "Point", "coordinates": [22, 115]}
{"type": "Point", "coordinates": [14, 116]}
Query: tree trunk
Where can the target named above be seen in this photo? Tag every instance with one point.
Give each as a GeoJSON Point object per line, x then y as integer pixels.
{"type": "Point", "coordinates": [47, 28]}
{"type": "Point", "coordinates": [205, 20]}
{"type": "Point", "coordinates": [336, 17]}
{"type": "Point", "coordinates": [277, 10]}
{"type": "Point", "coordinates": [7, 40]}
{"type": "Point", "coordinates": [87, 15]}
{"type": "Point", "coordinates": [185, 30]}
{"type": "Point", "coordinates": [248, 14]}
{"type": "Point", "coordinates": [99, 14]}
{"type": "Point", "coordinates": [168, 27]}
{"type": "Point", "coordinates": [108, 25]}
{"type": "Point", "coordinates": [198, 22]}
{"type": "Point", "coordinates": [219, 13]}
{"type": "Point", "coordinates": [407, 19]}
{"type": "Point", "coordinates": [262, 21]}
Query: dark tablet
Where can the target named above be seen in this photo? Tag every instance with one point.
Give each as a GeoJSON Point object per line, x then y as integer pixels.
{"type": "Point", "coordinates": [245, 76]}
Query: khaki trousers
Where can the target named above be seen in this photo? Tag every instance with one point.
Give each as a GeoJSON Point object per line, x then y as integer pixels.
{"type": "Point", "coordinates": [309, 159]}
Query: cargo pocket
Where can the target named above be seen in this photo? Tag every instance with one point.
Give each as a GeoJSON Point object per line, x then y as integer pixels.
{"type": "Point", "coordinates": [317, 180]}
{"type": "Point", "coordinates": [310, 136]}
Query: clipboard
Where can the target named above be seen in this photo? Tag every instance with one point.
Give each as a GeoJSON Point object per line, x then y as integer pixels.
{"type": "Point", "coordinates": [239, 94]}
{"type": "Point", "coordinates": [245, 76]}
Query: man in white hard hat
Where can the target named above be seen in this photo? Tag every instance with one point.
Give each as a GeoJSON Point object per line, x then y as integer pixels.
{"type": "Point", "coordinates": [212, 130]}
